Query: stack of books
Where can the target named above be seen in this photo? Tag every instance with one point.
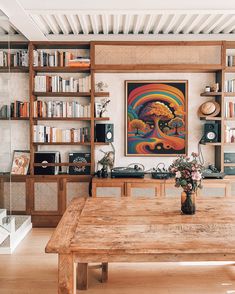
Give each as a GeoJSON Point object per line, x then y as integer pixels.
{"type": "Point", "coordinates": [59, 58]}
{"type": "Point", "coordinates": [58, 84]}
{"type": "Point", "coordinates": [229, 109]}
{"type": "Point", "coordinates": [60, 109]}
{"type": "Point", "coordinates": [229, 86]}
{"type": "Point", "coordinates": [18, 58]}
{"type": "Point", "coordinates": [45, 134]}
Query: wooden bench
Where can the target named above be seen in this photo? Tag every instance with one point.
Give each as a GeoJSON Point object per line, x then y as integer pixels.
{"type": "Point", "coordinates": [145, 230]}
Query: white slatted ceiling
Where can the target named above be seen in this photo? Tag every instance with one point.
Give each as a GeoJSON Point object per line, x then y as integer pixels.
{"type": "Point", "coordinates": [103, 22]}
{"type": "Point", "coordinates": [7, 29]}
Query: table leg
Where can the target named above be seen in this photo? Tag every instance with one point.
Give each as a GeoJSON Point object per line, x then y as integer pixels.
{"type": "Point", "coordinates": [104, 276]}
{"type": "Point", "coordinates": [82, 276]}
{"type": "Point", "coordinates": [66, 275]}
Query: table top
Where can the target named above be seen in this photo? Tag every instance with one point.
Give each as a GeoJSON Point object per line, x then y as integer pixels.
{"type": "Point", "coordinates": [144, 226]}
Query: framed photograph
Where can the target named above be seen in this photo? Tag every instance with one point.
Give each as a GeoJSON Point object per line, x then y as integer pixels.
{"type": "Point", "coordinates": [20, 162]}
{"type": "Point", "coordinates": [156, 118]}
{"type": "Point", "coordinates": [98, 109]}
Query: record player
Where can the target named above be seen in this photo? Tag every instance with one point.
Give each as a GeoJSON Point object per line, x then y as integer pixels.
{"type": "Point", "coordinates": [128, 172]}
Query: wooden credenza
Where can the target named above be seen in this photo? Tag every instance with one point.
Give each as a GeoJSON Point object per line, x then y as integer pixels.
{"type": "Point", "coordinates": [127, 184]}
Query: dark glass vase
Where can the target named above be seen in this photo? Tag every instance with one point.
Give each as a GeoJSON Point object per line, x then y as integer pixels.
{"type": "Point", "coordinates": [188, 205]}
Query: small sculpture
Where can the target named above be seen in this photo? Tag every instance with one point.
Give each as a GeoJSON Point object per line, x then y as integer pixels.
{"type": "Point", "coordinates": [104, 103]}
{"type": "Point", "coordinates": [107, 162]}
{"type": "Point", "coordinates": [101, 85]}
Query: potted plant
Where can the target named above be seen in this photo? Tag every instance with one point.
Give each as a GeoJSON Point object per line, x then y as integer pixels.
{"type": "Point", "coordinates": [188, 175]}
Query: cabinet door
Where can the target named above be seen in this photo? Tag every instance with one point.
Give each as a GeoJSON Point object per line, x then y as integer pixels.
{"type": "Point", "coordinates": [45, 197]}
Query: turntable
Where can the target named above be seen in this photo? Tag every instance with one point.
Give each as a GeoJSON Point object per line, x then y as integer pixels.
{"type": "Point", "coordinates": [128, 172]}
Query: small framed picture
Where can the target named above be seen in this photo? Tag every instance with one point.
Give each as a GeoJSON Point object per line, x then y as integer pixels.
{"type": "Point", "coordinates": [20, 162]}
{"type": "Point", "coordinates": [98, 109]}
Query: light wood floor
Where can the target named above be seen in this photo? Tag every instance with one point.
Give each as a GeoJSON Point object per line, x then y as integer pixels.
{"type": "Point", "coordinates": [30, 270]}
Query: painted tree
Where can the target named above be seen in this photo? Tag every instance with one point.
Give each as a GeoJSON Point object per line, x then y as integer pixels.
{"type": "Point", "coordinates": [176, 123]}
{"type": "Point", "coordinates": [137, 125]}
{"type": "Point", "coordinates": [156, 111]}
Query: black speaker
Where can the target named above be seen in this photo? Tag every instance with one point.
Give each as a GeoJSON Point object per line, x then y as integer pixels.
{"type": "Point", "coordinates": [104, 133]}
{"type": "Point", "coordinates": [211, 132]}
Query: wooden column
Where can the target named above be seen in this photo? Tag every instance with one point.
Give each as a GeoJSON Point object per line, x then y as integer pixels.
{"type": "Point", "coordinates": [104, 277]}
{"type": "Point", "coordinates": [82, 276]}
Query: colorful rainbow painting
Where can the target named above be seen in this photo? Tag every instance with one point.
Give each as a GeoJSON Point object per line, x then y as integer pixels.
{"type": "Point", "coordinates": [156, 118]}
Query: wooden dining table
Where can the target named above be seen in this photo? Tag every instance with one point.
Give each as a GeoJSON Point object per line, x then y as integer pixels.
{"type": "Point", "coordinates": [105, 230]}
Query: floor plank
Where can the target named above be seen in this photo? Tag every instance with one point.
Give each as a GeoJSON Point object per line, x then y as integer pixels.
{"type": "Point", "coordinates": [30, 271]}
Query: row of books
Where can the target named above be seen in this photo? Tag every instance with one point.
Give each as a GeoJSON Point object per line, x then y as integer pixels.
{"type": "Point", "coordinates": [230, 60]}
{"type": "Point", "coordinates": [59, 84]}
{"type": "Point", "coordinates": [19, 58]}
{"type": "Point", "coordinates": [229, 86]}
{"type": "Point", "coordinates": [16, 109]}
{"type": "Point", "coordinates": [229, 135]}
{"type": "Point", "coordinates": [229, 109]}
{"type": "Point", "coordinates": [59, 58]}
{"type": "Point", "coordinates": [45, 134]}
{"type": "Point", "coordinates": [60, 109]}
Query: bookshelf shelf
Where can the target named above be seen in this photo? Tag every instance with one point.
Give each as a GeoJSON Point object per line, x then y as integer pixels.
{"type": "Point", "coordinates": [229, 94]}
{"type": "Point", "coordinates": [62, 69]}
{"type": "Point", "coordinates": [210, 94]}
{"type": "Point", "coordinates": [230, 69]}
{"type": "Point", "coordinates": [62, 164]}
{"type": "Point", "coordinates": [15, 118]}
{"type": "Point", "coordinates": [229, 164]}
{"type": "Point", "coordinates": [210, 118]}
{"type": "Point", "coordinates": [61, 118]}
{"type": "Point", "coordinates": [229, 119]}
{"type": "Point", "coordinates": [62, 143]}
{"type": "Point", "coordinates": [14, 69]}
{"type": "Point", "coordinates": [101, 143]}
{"type": "Point", "coordinates": [101, 118]}
{"type": "Point", "coordinates": [62, 94]}
{"type": "Point", "coordinates": [214, 144]}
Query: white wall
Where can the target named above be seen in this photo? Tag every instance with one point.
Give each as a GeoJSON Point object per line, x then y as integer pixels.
{"type": "Point", "coordinates": [116, 109]}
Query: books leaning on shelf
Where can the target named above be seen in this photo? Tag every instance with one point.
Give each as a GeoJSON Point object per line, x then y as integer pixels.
{"type": "Point", "coordinates": [230, 60]}
{"type": "Point", "coordinates": [61, 109]}
{"type": "Point", "coordinates": [45, 134]}
{"type": "Point", "coordinates": [229, 86]}
{"type": "Point", "coordinates": [81, 159]}
{"type": "Point", "coordinates": [229, 109]}
{"type": "Point", "coordinates": [58, 84]}
{"type": "Point", "coordinates": [17, 109]}
{"type": "Point", "coordinates": [18, 58]}
{"type": "Point", "coordinates": [229, 135]}
{"type": "Point", "coordinates": [59, 58]}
